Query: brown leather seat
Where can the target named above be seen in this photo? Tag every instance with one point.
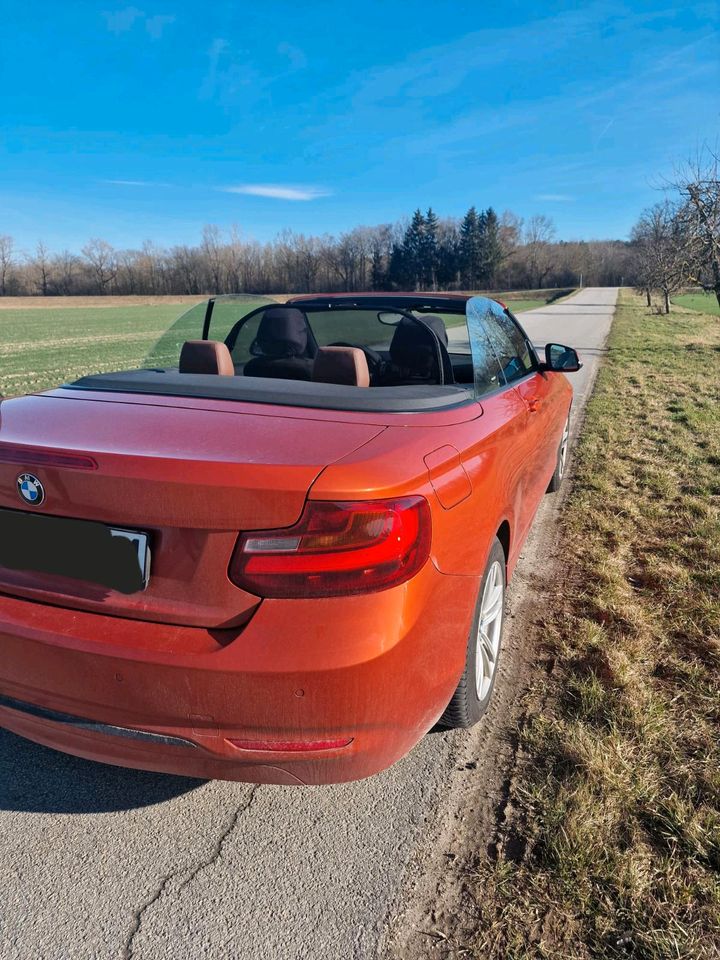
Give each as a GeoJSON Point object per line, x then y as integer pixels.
{"type": "Point", "coordinates": [343, 365]}
{"type": "Point", "coordinates": [206, 356]}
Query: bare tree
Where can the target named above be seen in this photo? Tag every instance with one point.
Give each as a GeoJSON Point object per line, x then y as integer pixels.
{"type": "Point", "coordinates": [698, 184]}
{"type": "Point", "coordinates": [658, 238]}
{"type": "Point", "coordinates": [151, 267]}
{"type": "Point", "coordinates": [213, 255]}
{"type": "Point", "coordinates": [65, 269]}
{"type": "Point", "coordinates": [103, 263]}
{"type": "Point", "coordinates": [41, 268]}
{"type": "Point", "coordinates": [7, 262]}
{"type": "Point", "coordinates": [234, 256]}
{"type": "Point", "coordinates": [539, 233]}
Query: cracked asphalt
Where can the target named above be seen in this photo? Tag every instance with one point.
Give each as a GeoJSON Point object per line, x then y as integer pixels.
{"type": "Point", "coordinates": [101, 862]}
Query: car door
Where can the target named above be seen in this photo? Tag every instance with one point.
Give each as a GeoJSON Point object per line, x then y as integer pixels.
{"type": "Point", "coordinates": [505, 469]}
{"type": "Point", "coordinates": [528, 450]}
{"type": "Point", "coordinates": [539, 393]}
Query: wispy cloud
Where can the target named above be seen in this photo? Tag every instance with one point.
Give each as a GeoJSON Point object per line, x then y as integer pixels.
{"type": "Point", "coordinates": [233, 75]}
{"type": "Point", "coordinates": [278, 191]}
{"type": "Point", "coordinates": [136, 183]}
{"type": "Point", "coordinates": [156, 25]}
{"type": "Point", "coordinates": [555, 197]}
{"type": "Point", "coordinates": [605, 129]}
{"type": "Point", "coordinates": [122, 21]}
{"type": "Point", "coordinates": [296, 56]}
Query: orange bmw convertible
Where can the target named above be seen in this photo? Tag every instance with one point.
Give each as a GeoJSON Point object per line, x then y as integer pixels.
{"type": "Point", "coordinates": [278, 553]}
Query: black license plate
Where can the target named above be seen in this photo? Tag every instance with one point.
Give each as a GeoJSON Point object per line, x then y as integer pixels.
{"type": "Point", "coordinates": [112, 557]}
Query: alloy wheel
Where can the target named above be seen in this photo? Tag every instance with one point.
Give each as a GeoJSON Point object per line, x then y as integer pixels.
{"type": "Point", "coordinates": [564, 448]}
{"type": "Point", "coordinates": [489, 630]}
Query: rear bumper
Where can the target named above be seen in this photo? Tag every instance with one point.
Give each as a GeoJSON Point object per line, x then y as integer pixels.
{"type": "Point", "coordinates": [375, 670]}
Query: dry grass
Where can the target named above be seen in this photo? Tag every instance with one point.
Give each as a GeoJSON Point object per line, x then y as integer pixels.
{"type": "Point", "coordinates": [614, 846]}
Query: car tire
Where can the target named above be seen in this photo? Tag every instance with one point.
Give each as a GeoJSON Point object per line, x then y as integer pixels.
{"type": "Point", "coordinates": [561, 461]}
{"type": "Point", "coordinates": [474, 692]}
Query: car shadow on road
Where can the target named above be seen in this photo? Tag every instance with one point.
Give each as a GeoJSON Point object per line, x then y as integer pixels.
{"type": "Point", "coordinates": [36, 779]}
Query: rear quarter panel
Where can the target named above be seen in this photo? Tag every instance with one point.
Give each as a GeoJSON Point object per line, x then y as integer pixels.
{"type": "Point", "coordinates": [471, 492]}
{"type": "Point", "coordinates": [452, 465]}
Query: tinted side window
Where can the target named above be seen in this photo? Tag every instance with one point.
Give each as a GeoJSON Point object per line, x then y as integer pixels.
{"type": "Point", "coordinates": [486, 370]}
{"type": "Point", "coordinates": [509, 344]}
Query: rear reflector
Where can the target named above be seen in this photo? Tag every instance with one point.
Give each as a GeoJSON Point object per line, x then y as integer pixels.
{"type": "Point", "coordinates": [290, 746]}
{"type": "Point", "coordinates": [12, 453]}
{"type": "Point", "coordinates": [336, 549]}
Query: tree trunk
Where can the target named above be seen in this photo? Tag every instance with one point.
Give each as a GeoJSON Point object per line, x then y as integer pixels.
{"type": "Point", "coordinates": [667, 301]}
{"type": "Point", "coordinates": [649, 298]}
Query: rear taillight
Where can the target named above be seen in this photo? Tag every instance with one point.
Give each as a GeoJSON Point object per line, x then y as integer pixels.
{"type": "Point", "coordinates": [336, 549]}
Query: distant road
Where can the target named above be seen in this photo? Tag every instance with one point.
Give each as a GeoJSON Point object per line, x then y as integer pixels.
{"type": "Point", "coordinates": [100, 863]}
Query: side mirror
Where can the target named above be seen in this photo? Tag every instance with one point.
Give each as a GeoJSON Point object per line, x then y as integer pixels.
{"type": "Point", "coordinates": [560, 358]}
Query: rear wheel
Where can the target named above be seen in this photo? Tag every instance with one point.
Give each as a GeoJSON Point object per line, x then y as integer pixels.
{"type": "Point", "coordinates": [561, 463]}
{"type": "Point", "coordinates": [473, 694]}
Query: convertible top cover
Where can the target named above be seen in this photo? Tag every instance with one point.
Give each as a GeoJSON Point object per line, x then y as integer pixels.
{"type": "Point", "coordinates": [290, 393]}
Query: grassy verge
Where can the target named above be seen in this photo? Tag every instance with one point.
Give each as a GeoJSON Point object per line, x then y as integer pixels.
{"type": "Point", "coordinates": [614, 846]}
{"type": "Point", "coordinates": [521, 300]}
{"type": "Point", "coordinates": [700, 302]}
{"type": "Point", "coordinates": [520, 306]}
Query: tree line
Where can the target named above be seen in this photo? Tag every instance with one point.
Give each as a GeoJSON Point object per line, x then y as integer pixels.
{"type": "Point", "coordinates": [673, 244]}
{"type": "Point", "coordinates": [480, 251]}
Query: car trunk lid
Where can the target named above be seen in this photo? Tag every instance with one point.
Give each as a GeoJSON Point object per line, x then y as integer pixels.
{"type": "Point", "coordinates": [191, 478]}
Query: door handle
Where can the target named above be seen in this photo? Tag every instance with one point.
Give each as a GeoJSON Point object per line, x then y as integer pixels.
{"type": "Point", "coordinates": [534, 404]}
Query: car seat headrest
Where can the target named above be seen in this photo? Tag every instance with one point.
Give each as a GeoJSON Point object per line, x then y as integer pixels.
{"type": "Point", "coordinates": [283, 332]}
{"type": "Point", "coordinates": [413, 346]}
{"type": "Point", "coordinates": [206, 356]}
{"type": "Point", "coordinates": [343, 365]}
{"type": "Point", "coordinates": [436, 324]}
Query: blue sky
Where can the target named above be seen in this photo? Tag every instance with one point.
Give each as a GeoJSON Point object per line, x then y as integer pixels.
{"type": "Point", "coordinates": [147, 120]}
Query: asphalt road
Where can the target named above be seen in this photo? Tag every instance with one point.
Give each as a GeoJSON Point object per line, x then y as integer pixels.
{"type": "Point", "coordinates": [100, 862]}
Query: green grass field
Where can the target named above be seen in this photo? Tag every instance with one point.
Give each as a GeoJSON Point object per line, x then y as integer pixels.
{"type": "Point", "coordinates": [702, 302]}
{"type": "Point", "coordinates": [610, 848]}
{"type": "Point", "coordinates": [43, 346]}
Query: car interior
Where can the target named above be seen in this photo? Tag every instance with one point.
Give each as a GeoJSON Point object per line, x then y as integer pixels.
{"type": "Point", "coordinates": [394, 347]}
{"type": "Point", "coordinates": [405, 353]}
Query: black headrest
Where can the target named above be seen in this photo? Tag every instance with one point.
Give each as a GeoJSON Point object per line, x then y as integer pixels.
{"type": "Point", "coordinates": [415, 348]}
{"type": "Point", "coordinates": [283, 332]}
{"type": "Point", "coordinates": [437, 325]}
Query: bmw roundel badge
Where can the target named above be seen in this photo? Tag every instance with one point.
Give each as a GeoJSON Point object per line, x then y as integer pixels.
{"type": "Point", "coordinates": [30, 489]}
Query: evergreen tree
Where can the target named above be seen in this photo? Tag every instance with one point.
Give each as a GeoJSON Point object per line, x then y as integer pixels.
{"type": "Point", "coordinates": [429, 251]}
{"type": "Point", "coordinates": [492, 251]}
{"type": "Point", "coordinates": [397, 268]}
{"type": "Point", "coordinates": [413, 246]}
{"type": "Point", "coordinates": [470, 250]}
{"type": "Point", "coordinates": [448, 255]}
